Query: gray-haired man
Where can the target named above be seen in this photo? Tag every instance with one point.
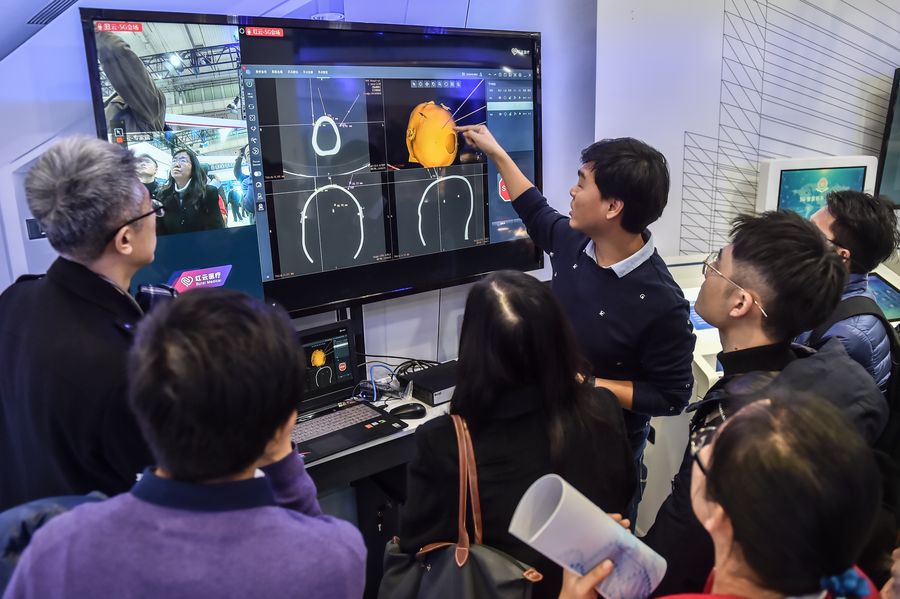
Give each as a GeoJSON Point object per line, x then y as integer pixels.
{"type": "Point", "coordinates": [65, 427]}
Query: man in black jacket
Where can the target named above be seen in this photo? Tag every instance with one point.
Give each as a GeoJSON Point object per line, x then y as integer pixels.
{"type": "Point", "coordinates": [65, 426]}
{"type": "Point", "coordinates": [777, 278]}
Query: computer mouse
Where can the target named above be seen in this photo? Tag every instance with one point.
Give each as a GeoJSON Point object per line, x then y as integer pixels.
{"type": "Point", "coordinates": [408, 411]}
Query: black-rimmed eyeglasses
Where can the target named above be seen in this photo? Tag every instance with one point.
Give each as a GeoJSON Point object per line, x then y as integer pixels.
{"type": "Point", "coordinates": [700, 439]}
{"type": "Point", "coordinates": [158, 210]}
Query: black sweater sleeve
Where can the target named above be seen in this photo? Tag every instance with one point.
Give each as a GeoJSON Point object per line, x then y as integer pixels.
{"type": "Point", "coordinates": [212, 214]}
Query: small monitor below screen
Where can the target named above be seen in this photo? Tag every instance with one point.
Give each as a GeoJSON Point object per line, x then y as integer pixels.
{"type": "Point", "coordinates": [330, 364]}
{"type": "Point", "coordinates": [886, 295]}
{"type": "Point", "coordinates": [804, 191]}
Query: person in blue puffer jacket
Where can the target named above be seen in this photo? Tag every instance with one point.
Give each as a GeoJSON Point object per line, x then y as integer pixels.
{"type": "Point", "coordinates": [862, 229]}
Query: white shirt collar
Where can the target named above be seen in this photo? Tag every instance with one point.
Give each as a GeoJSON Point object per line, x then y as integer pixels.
{"type": "Point", "coordinates": [623, 267]}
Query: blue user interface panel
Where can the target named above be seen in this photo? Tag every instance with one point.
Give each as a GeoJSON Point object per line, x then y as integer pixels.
{"type": "Point", "coordinates": [886, 295]}
{"type": "Point", "coordinates": [804, 191]}
{"type": "Point", "coordinates": [697, 320]}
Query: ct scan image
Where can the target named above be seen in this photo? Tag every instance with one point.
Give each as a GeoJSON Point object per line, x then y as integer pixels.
{"type": "Point", "coordinates": [327, 223]}
{"type": "Point", "coordinates": [439, 209]}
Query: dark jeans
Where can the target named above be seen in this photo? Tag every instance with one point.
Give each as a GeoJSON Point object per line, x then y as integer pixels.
{"type": "Point", "coordinates": [638, 441]}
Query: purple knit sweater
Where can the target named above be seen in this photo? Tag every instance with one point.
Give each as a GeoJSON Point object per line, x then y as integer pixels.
{"type": "Point", "coordinates": [264, 537]}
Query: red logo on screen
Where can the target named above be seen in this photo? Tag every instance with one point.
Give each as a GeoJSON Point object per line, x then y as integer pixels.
{"type": "Point", "coordinates": [504, 193]}
{"type": "Point", "coordinates": [118, 26]}
{"type": "Point", "coordinates": [264, 31]}
{"type": "Point", "coordinates": [342, 366]}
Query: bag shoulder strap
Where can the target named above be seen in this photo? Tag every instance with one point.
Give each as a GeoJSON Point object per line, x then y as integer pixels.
{"type": "Point", "coordinates": [462, 542]}
{"type": "Point", "coordinates": [852, 306]}
{"type": "Point", "coordinates": [472, 472]}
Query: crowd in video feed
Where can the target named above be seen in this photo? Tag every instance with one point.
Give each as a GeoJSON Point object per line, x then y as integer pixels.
{"type": "Point", "coordinates": [172, 95]}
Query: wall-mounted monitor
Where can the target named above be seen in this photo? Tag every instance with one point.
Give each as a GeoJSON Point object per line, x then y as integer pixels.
{"type": "Point", "coordinates": [888, 183]}
{"type": "Point", "coordinates": [803, 184]}
{"type": "Point", "coordinates": [316, 164]}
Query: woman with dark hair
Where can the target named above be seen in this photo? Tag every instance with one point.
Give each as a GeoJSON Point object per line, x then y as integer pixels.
{"type": "Point", "coordinates": [789, 492]}
{"type": "Point", "coordinates": [518, 389]}
{"type": "Point", "coordinates": [190, 203]}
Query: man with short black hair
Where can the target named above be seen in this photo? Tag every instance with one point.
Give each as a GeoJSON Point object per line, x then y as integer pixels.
{"type": "Point", "coordinates": [65, 427]}
{"type": "Point", "coordinates": [229, 510]}
{"type": "Point", "coordinates": [776, 278]}
{"type": "Point", "coordinates": [862, 229]}
{"type": "Point", "coordinates": [146, 170]}
{"type": "Point", "coordinates": [630, 316]}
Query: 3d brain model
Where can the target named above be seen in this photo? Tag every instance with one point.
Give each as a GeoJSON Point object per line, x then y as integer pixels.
{"type": "Point", "coordinates": [317, 358]}
{"type": "Point", "coordinates": [430, 137]}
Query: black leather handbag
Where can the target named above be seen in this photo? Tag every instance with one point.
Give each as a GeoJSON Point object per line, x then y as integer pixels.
{"type": "Point", "coordinates": [457, 570]}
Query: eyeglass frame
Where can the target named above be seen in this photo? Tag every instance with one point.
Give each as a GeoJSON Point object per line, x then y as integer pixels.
{"type": "Point", "coordinates": [699, 439]}
{"type": "Point", "coordinates": [158, 209]}
{"type": "Point", "coordinates": [707, 265]}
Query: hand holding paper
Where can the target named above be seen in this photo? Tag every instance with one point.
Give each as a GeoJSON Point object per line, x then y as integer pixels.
{"type": "Point", "coordinates": [557, 520]}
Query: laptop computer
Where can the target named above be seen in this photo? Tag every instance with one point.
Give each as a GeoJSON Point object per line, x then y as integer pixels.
{"type": "Point", "coordinates": [329, 420]}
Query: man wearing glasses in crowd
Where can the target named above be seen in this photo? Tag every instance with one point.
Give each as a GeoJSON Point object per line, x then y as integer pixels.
{"type": "Point", "coordinates": [65, 426]}
{"type": "Point", "coordinates": [862, 229]}
{"type": "Point", "coordinates": [777, 278]}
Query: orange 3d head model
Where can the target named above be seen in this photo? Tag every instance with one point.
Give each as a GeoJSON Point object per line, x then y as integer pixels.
{"type": "Point", "coordinates": [430, 137]}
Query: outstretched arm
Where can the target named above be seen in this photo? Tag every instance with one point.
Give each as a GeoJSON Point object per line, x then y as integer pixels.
{"type": "Point", "coordinates": [480, 137]}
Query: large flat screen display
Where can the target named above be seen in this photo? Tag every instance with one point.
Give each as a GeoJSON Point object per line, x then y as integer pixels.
{"type": "Point", "coordinates": [316, 164]}
{"type": "Point", "coordinates": [888, 181]}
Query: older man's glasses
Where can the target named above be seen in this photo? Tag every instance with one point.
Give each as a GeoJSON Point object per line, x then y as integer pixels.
{"type": "Point", "coordinates": [699, 439]}
{"type": "Point", "coordinates": [708, 265]}
{"type": "Point", "coordinates": [158, 210]}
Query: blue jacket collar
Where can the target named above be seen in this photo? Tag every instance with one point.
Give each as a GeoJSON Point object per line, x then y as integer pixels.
{"type": "Point", "coordinates": [197, 497]}
{"type": "Point", "coordinates": [856, 284]}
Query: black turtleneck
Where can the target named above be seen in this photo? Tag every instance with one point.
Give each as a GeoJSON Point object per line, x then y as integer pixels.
{"type": "Point", "coordinates": [772, 357]}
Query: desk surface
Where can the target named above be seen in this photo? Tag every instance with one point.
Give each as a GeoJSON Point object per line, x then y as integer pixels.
{"type": "Point", "coordinates": [361, 461]}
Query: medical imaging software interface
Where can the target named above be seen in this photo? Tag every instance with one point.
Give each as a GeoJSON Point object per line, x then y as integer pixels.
{"type": "Point", "coordinates": [355, 164]}
{"type": "Point", "coordinates": [328, 364]}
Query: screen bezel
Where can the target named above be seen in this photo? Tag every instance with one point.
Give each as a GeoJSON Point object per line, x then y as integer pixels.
{"type": "Point", "coordinates": [888, 125]}
{"type": "Point", "coordinates": [389, 279]}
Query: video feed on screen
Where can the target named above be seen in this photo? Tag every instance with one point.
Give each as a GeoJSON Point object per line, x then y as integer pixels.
{"type": "Point", "coordinates": [804, 191]}
{"type": "Point", "coordinates": [327, 364]}
{"type": "Point", "coordinates": [171, 94]}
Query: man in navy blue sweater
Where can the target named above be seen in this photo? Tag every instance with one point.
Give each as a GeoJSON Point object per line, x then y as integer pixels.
{"type": "Point", "coordinates": [631, 319]}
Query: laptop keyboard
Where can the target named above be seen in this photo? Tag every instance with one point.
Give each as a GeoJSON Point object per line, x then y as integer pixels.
{"type": "Point", "coordinates": [332, 422]}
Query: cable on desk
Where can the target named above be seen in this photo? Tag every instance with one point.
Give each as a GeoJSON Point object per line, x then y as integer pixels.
{"type": "Point", "coordinates": [399, 358]}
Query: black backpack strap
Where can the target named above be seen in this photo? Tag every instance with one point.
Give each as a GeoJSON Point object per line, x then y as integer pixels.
{"type": "Point", "coordinates": [852, 306]}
